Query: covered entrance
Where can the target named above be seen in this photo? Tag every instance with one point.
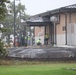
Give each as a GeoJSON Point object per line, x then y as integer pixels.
{"type": "Point", "coordinates": [46, 27]}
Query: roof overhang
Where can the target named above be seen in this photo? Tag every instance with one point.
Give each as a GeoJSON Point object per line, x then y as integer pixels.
{"type": "Point", "coordinates": [43, 19]}
{"type": "Point", "coordinates": [38, 23]}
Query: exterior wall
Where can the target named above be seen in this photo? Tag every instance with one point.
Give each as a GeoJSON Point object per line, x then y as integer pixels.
{"type": "Point", "coordinates": [59, 31]}
{"type": "Point", "coordinates": [37, 30]}
{"type": "Point", "coordinates": [73, 18]}
{"type": "Point", "coordinates": [75, 34]}
{"type": "Point", "coordinates": [61, 34]}
{"type": "Point", "coordinates": [60, 25]}
{"type": "Point", "coordinates": [48, 31]}
{"type": "Point", "coordinates": [39, 33]}
{"type": "Point", "coordinates": [71, 36]}
{"type": "Point", "coordinates": [71, 30]}
{"type": "Point", "coordinates": [61, 39]}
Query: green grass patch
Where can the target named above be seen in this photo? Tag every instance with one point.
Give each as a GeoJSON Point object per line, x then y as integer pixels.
{"type": "Point", "coordinates": [39, 69]}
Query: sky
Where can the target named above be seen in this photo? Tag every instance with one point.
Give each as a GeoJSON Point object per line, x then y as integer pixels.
{"type": "Point", "coordinates": [34, 7]}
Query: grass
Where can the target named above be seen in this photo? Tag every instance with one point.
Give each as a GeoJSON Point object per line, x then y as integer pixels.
{"type": "Point", "coordinates": [39, 69]}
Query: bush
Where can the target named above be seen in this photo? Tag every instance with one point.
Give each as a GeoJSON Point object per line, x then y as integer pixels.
{"type": "Point", "coordinates": [3, 51]}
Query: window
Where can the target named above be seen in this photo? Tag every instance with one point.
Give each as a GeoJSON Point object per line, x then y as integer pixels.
{"type": "Point", "coordinates": [58, 18]}
{"type": "Point", "coordinates": [63, 28]}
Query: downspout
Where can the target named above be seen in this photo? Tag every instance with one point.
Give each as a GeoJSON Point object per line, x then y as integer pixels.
{"type": "Point", "coordinates": [55, 35]}
{"type": "Point", "coordinates": [70, 28]}
{"type": "Point", "coordinates": [66, 29]}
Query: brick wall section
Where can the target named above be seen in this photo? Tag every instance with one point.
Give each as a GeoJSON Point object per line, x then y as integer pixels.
{"type": "Point", "coordinates": [73, 18]}
{"type": "Point", "coordinates": [62, 22]}
{"type": "Point", "coordinates": [39, 29]}
{"type": "Point", "coordinates": [60, 25]}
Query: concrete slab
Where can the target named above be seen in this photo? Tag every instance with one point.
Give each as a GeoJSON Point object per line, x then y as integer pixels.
{"type": "Point", "coordinates": [42, 52]}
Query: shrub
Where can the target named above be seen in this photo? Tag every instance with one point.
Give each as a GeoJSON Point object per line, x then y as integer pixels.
{"type": "Point", "coordinates": [3, 51]}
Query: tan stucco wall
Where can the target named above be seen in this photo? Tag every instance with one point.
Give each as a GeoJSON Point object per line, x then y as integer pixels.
{"type": "Point", "coordinates": [70, 20]}
{"type": "Point", "coordinates": [60, 25]}
{"type": "Point", "coordinates": [73, 18]}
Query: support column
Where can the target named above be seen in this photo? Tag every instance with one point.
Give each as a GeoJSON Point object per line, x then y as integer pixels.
{"type": "Point", "coordinates": [30, 36]}
{"type": "Point", "coordinates": [52, 37]}
{"type": "Point", "coordinates": [44, 35]}
{"type": "Point", "coordinates": [54, 34]}
{"type": "Point", "coordinates": [50, 33]}
{"type": "Point", "coordinates": [45, 30]}
{"type": "Point", "coordinates": [34, 35]}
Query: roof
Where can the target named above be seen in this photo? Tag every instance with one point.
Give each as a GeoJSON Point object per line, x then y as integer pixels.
{"type": "Point", "coordinates": [39, 23]}
{"type": "Point", "coordinates": [42, 19]}
{"type": "Point", "coordinates": [69, 8]}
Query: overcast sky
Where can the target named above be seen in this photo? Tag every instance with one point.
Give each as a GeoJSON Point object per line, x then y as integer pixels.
{"type": "Point", "coordinates": [39, 6]}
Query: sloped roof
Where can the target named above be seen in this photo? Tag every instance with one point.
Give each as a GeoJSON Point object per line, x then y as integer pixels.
{"type": "Point", "coordinates": [66, 9]}
{"type": "Point", "coordinates": [38, 23]}
{"type": "Point", "coordinates": [69, 8]}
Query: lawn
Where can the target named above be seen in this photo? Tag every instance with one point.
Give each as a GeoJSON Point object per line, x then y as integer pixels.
{"type": "Point", "coordinates": [39, 69]}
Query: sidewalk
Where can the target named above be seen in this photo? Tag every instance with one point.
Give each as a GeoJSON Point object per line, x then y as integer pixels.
{"type": "Point", "coordinates": [49, 46]}
{"type": "Point", "coordinates": [39, 46]}
{"type": "Point", "coordinates": [66, 46]}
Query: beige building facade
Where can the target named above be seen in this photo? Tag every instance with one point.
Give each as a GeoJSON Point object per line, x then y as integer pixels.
{"type": "Point", "coordinates": [62, 31]}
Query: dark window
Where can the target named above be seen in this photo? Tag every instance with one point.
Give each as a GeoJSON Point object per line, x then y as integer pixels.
{"type": "Point", "coordinates": [63, 28]}
{"type": "Point", "coordinates": [58, 18]}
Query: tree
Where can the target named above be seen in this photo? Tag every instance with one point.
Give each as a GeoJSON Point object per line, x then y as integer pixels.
{"type": "Point", "coordinates": [3, 11]}
{"type": "Point", "coordinates": [3, 51]}
{"type": "Point", "coordinates": [3, 8]}
{"type": "Point", "coordinates": [9, 19]}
